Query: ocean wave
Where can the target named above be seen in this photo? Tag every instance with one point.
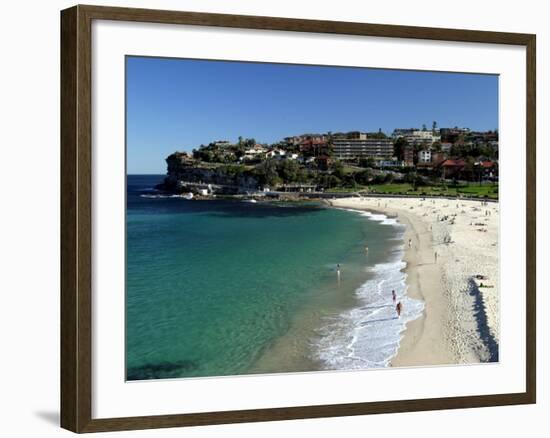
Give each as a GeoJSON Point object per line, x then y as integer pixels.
{"type": "Point", "coordinates": [378, 217]}
{"type": "Point", "coordinates": [152, 196]}
{"type": "Point", "coordinates": [147, 189]}
{"type": "Point", "coordinates": [369, 335]}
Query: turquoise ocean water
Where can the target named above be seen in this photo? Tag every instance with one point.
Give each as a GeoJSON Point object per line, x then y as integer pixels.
{"type": "Point", "coordinates": [219, 288]}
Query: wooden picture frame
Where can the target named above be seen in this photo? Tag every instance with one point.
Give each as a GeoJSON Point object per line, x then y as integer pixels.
{"type": "Point", "coordinates": [76, 217]}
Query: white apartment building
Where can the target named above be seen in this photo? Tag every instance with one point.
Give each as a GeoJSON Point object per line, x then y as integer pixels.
{"type": "Point", "coordinates": [417, 136]}
{"type": "Point", "coordinates": [351, 149]}
{"type": "Point", "coordinates": [425, 156]}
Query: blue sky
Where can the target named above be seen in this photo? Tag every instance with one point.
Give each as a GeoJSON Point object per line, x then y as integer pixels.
{"type": "Point", "coordinates": [178, 104]}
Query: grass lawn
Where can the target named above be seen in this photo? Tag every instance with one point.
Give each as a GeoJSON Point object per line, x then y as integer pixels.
{"type": "Point", "coordinates": [352, 169]}
{"type": "Point", "coordinates": [471, 190]}
{"type": "Point", "coordinates": [345, 189]}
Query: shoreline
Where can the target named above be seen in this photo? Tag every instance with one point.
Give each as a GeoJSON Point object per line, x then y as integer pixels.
{"type": "Point", "coordinates": [451, 327]}
{"type": "Point", "coordinates": [323, 339]}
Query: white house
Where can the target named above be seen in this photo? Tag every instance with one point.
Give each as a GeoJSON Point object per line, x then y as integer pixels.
{"type": "Point", "coordinates": [256, 150]}
{"type": "Point", "coordinates": [425, 156]}
{"type": "Point", "coordinates": [253, 152]}
{"type": "Point", "coordinates": [306, 160]}
{"type": "Point", "coordinates": [276, 153]}
{"type": "Point", "coordinates": [223, 143]}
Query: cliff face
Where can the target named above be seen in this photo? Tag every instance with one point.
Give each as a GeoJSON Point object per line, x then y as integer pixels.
{"type": "Point", "coordinates": [186, 175]}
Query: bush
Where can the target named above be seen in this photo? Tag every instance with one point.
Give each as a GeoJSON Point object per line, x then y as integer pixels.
{"type": "Point", "coordinates": [349, 181]}
{"type": "Point", "coordinates": [410, 177]}
{"type": "Point", "coordinates": [233, 170]}
{"type": "Point", "coordinates": [363, 177]}
{"type": "Point", "coordinates": [379, 179]}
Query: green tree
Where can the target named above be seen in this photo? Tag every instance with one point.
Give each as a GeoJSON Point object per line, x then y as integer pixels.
{"type": "Point", "coordinates": [364, 176]}
{"type": "Point", "coordinates": [327, 181]}
{"type": "Point", "coordinates": [469, 169]}
{"type": "Point", "coordinates": [419, 181]}
{"type": "Point", "coordinates": [267, 173]}
{"type": "Point", "coordinates": [203, 154]}
{"type": "Point", "coordinates": [338, 169]}
{"type": "Point", "coordinates": [410, 177]}
{"type": "Point", "coordinates": [333, 181]}
{"type": "Point", "coordinates": [289, 170]}
{"type": "Point", "coordinates": [349, 181]}
{"type": "Point", "coordinates": [399, 148]}
{"type": "Point", "coordinates": [367, 162]}
{"type": "Point", "coordinates": [379, 134]}
{"type": "Point", "coordinates": [233, 169]}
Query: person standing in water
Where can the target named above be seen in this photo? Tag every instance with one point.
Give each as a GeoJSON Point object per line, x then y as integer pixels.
{"type": "Point", "coordinates": [398, 309]}
{"type": "Point", "coordinates": [394, 297]}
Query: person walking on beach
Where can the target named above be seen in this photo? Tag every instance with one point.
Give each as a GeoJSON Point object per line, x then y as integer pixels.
{"type": "Point", "coordinates": [410, 242]}
{"type": "Point", "coordinates": [398, 309]}
{"type": "Point", "coordinates": [393, 295]}
{"type": "Point", "coordinates": [435, 254]}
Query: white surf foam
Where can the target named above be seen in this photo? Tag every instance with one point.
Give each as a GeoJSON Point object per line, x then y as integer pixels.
{"type": "Point", "coordinates": [151, 196]}
{"type": "Point", "coordinates": [368, 336]}
{"type": "Point", "coordinates": [148, 189]}
{"type": "Point", "coordinates": [378, 217]}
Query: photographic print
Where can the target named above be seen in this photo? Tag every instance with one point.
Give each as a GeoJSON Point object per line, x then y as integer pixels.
{"type": "Point", "coordinates": [289, 218]}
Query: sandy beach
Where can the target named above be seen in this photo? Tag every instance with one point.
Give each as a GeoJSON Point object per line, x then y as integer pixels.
{"type": "Point", "coordinates": [451, 252]}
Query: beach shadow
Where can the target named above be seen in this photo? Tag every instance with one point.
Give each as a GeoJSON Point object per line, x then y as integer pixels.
{"type": "Point", "coordinates": [482, 325]}
{"type": "Point", "coordinates": [50, 417]}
